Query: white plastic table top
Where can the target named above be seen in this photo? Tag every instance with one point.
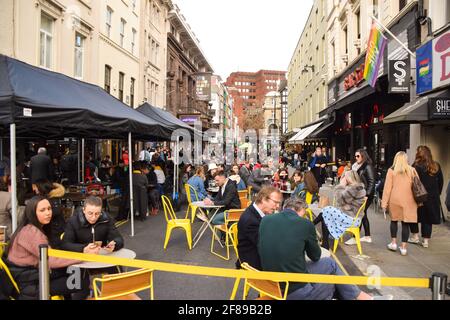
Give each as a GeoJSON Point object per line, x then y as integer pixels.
{"type": "Point", "coordinates": [201, 204]}
{"type": "Point", "coordinates": [122, 253]}
{"type": "Point", "coordinates": [287, 192]}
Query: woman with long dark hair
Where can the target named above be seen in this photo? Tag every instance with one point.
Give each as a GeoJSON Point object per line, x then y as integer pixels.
{"type": "Point", "coordinates": [23, 254]}
{"type": "Point", "coordinates": [364, 167]}
{"type": "Point", "coordinates": [430, 175]}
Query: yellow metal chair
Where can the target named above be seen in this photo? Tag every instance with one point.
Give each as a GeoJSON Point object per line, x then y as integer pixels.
{"type": "Point", "coordinates": [243, 193]}
{"type": "Point", "coordinates": [267, 289]}
{"type": "Point", "coordinates": [233, 233]}
{"type": "Point", "coordinates": [173, 222]}
{"type": "Point", "coordinates": [230, 216]}
{"type": "Point", "coordinates": [244, 203]}
{"type": "Point", "coordinates": [250, 189]}
{"type": "Point", "coordinates": [193, 209]}
{"type": "Point", "coordinates": [2, 247]}
{"type": "Point", "coordinates": [123, 286]}
{"type": "Point", "coordinates": [353, 229]}
{"type": "Point", "coordinates": [308, 200]}
{"type": "Point", "coordinates": [14, 283]}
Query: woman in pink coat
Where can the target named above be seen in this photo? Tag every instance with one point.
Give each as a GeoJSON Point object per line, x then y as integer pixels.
{"type": "Point", "coordinates": [399, 200]}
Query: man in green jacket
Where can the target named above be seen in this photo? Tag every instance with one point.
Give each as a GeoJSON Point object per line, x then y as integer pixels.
{"type": "Point", "coordinates": [284, 238]}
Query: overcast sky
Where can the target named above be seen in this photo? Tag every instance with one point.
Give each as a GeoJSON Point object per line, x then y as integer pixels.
{"type": "Point", "coordinates": [246, 35]}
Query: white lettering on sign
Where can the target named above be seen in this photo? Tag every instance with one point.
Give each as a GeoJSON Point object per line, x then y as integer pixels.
{"type": "Point", "coordinates": [400, 67]}
{"type": "Point", "coordinates": [443, 106]}
{"type": "Point", "coordinates": [27, 112]}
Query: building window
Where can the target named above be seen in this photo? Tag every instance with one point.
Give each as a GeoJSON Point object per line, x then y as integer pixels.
{"type": "Point", "coordinates": [107, 78]}
{"type": "Point", "coordinates": [156, 54]}
{"type": "Point", "coordinates": [153, 48]}
{"type": "Point", "coordinates": [402, 4]}
{"type": "Point", "coordinates": [79, 55]}
{"type": "Point", "coordinates": [109, 13]}
{"type": "Point", "coordinates": [133, 3]}
{"type": "Point", "coordinates": [133, 41]}
{"type": "Point", "coordinates": [46, 41]}
{"type": "Point", "coordinates": [132, 92]}
{"type": "Point", "coordinates": [375, 10]}
{"type": "Point", "coordinates": [345, 40]}
{"type": "Point", "coordinates": [324, 51]}
{"type": "Point", "coordinates": [122, 31]}
{"type": "Point", "coordinates": [155, 101]}
{"type": "Point", "coordinates": [121, 80]}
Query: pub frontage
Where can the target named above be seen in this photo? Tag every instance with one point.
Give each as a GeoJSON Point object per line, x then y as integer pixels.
{"type": "Point", "coordinates": [357, 111]}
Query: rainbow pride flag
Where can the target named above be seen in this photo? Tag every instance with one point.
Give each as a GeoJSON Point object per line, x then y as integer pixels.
{"type": "Point", "coordinates": [375, 49]}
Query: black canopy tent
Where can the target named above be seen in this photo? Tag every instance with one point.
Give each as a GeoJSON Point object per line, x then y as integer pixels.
{"type": "Point", "coordinates": [41, 103]}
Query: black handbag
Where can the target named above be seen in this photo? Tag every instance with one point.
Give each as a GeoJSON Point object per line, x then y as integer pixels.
{"type": "Point", "coordinates": [419, 192]}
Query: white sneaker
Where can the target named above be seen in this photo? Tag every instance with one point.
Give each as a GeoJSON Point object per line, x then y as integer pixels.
{"type": "Point", "coordinates": [350, 242]}
{"type": "Point", "coordinates": [425, 244]}
{"type": "Point", "coordinates": [392, 246]}
{"type": "Point", "coordinates": [414, 240]}
{"type": "Point", "coordinates": [403, 252]}
{"type": "Point", "coordinates": [366, 239]}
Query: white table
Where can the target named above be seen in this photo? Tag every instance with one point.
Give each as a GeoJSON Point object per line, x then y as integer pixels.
{"type": "Point", "coordinates": [122, 253]}
{"type": "Point", "coordinates": [209, 208]}
{"type": "Point", "coordinates": [213, 190]}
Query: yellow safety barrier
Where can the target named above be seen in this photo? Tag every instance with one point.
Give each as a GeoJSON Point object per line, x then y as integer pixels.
{"type": "Point", "coordinates": [242, 274]}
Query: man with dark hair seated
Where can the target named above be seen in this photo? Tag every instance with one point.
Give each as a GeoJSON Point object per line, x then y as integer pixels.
{"type": "Point", "coordinates": [228, 197]}
{"type": "Point", "coordinates": [91, 229]}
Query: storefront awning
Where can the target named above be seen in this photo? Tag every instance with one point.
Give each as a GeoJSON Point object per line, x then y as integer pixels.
{"type": "Point", "coordinates": [307, 131]}
{"type": "Point", "coordinates": [294, 138]}
{"type": "Point", "coordinates": [416, 111]}
{"type": "Point", "coordinates": [321, 131]}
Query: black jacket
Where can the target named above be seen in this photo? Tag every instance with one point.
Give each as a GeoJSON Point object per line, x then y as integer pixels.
{"type": "Point", "coordinates": [248, 235]}
{"type": "Point", "coordinates": [41, 168]}
{"type": "Point", "coordinates": [140, 194]}
{"type": "Point", "coordinates": [257, 180]}
{"type": "Point", "coordinates": [430, 212]}
{"type": "Point", "coordinates": [78, 232]}
{"type": "Point", "coordinates": [447, 198]}
{"type": "Point", "coordinates": [245, 173]}
{"type": "Point", "coordinates": [367, 174]}
{"type": "Point", "coordinates": [230, 197]}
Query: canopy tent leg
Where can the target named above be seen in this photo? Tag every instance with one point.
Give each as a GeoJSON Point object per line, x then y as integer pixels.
{"type": "Point", "coordinates": [82, 160]}
{"type": "Point", "coordinates": [78, 162]}
{"type": "Point", "coordinates": [13, 176]}
{"type": "Point", "coordinates": [130, 171]}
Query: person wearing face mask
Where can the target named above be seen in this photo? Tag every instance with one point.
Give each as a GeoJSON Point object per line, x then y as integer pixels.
{"type": "Point", "coordinates": [267, 201]}
{"type": "Point", "coordinates": [23, 255]}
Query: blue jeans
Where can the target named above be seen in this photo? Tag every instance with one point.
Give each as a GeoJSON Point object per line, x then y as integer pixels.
{"type": "Point", "coordinates": [323, 291]}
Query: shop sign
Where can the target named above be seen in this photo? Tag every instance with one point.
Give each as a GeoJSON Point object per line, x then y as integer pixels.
{"type": "Point", "coordinates": [189, 119]}
{"type": "Point", "coordinates": [355, 78]}
{"type": "Point", "coordinates": [399, 76]}
{"type": "Point", "coordinates": [203, 86]}
{"type": "Point", "coordinates": [433, 64]}
{"type": "Point", "coordinates": [439, 108]}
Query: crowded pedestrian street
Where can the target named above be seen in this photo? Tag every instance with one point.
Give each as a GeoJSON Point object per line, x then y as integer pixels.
{"type": "Point", "coordinates": [221, 157]}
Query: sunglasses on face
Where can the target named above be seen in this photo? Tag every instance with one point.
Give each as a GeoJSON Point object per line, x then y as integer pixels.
{"type": "Point", "coordinates": [357, 156]}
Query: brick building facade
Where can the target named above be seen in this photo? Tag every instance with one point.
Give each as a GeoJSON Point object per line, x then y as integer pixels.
{"type": "Point", "coordinates": [249, 90]}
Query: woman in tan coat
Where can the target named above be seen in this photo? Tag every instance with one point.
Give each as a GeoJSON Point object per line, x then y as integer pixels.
{"type": "Point", "coordinates": [399, 200]}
